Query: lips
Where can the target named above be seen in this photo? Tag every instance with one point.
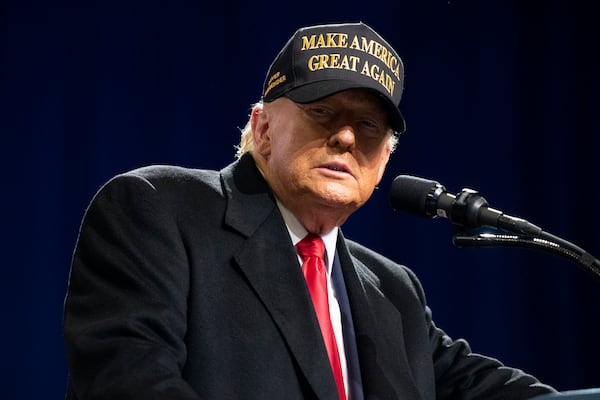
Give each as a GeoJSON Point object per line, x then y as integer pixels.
{"type": "Point", "coordinates": [337, 167]}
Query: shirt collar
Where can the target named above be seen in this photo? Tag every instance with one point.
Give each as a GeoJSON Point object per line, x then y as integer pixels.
{"type": "Point", "coordinates": [297, 233]}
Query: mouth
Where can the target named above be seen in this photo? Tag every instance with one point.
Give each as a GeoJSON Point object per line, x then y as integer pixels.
{"type": "Point", "coordinates": [333, 168]}
{"type": "Point", "coordinates": [336, 167]}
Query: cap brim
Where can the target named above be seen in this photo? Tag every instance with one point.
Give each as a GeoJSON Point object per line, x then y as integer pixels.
{"type": "Point", "coordinates": [318, 90]}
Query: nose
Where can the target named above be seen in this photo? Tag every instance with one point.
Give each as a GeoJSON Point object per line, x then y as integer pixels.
{"type": "Point", "coordinates": [344, 138]}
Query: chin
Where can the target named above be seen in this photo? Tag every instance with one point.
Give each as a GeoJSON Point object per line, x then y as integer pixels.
{"type": "Point", "coordinates": [339, 201]}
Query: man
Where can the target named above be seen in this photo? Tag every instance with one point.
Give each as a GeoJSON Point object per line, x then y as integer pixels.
{"type": "Point", "coordinates": [194, 284]}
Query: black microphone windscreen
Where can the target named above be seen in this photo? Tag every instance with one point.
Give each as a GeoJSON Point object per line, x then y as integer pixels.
{"type": "Point", "coordinates": [409, 193]}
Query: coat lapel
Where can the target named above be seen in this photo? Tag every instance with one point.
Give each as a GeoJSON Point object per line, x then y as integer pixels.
{"type": "Point", "coordinates": [269, 262]}
{"type": "Point", "coordinates": [383, 377]}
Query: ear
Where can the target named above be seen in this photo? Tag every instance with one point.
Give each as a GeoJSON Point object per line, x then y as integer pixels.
{"type": "Point", "coordinates": [260, 131]}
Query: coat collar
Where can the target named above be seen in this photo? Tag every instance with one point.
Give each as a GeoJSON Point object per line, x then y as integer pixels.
{"type": "Point", "coordinates": [249, 199]}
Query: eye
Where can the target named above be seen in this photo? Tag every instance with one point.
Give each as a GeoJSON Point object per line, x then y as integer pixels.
{"type": "Point", "coordinates": [319, 112]}
{"type": "Point", "coordinates": [368, 124]}
{"type": "Point", "coordinates": [371, 127]}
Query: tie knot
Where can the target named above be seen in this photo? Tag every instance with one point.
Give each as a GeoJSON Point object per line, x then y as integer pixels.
{"type": "Point", "coordinates": [311, 246]}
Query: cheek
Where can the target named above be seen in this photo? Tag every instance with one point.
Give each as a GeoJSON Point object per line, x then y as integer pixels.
{"type": "Point", "coordinates": [382, 162]}
{"type": "Point", "coordinates": [382, 165]}
{"type": "Point", "coordinates": [288, 146]}
{"type": "Point", "coordinates": [372, 173]}
{"type": "Point", "coordinates": [288, 160]}
{"type": "Point", "coordinates": [281, 154]}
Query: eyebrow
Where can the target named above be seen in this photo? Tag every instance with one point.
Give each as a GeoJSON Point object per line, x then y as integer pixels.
{"type": "Point", "coordinates": [371, 104]}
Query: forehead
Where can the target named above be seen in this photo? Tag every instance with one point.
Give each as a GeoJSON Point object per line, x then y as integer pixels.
{"type": "Point", "coordinates": [362, 99]}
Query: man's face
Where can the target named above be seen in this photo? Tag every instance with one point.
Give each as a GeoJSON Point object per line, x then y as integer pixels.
{"type": "Point", "coordinates": [326, 155]}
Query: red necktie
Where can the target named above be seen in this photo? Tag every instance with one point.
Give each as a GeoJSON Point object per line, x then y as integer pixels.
{"type": "Point", "coordinates": [311, 249]}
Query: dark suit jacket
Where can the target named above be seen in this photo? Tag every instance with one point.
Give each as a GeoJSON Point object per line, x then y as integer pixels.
{"type": "Point", "coordinates": [185, 285]}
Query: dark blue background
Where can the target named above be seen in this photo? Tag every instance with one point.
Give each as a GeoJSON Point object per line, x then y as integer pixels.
{"type": "Point", "coordinates": [500, 95]}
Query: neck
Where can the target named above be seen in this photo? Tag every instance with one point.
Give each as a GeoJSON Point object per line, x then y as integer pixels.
{"type": "Point", "coordinates": [320, 221]}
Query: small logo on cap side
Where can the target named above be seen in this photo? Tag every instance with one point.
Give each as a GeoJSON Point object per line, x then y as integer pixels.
{"type": "Point", "coordinates": [274, 80]}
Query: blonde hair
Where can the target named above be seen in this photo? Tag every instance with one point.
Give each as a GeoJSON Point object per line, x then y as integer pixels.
{"type": "Point", "coordinates": [247, 142]}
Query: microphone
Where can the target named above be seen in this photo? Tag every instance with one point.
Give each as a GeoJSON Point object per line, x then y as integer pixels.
{"type": "Point", "coordinates": [467, 209]}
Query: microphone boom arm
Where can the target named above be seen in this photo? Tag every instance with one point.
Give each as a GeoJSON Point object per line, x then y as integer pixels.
{"type": "Point", "coordinates": [541, 240]}
{"type": "Point", "coordinates": [469, 210]}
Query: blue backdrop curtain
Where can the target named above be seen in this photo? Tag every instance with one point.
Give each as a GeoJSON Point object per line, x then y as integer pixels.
{"type": "Point", "coordinates": [500, 96]}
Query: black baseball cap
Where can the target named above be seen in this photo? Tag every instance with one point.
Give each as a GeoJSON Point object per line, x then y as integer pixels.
{"type": "Point", "coordinates": [322, 60]}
